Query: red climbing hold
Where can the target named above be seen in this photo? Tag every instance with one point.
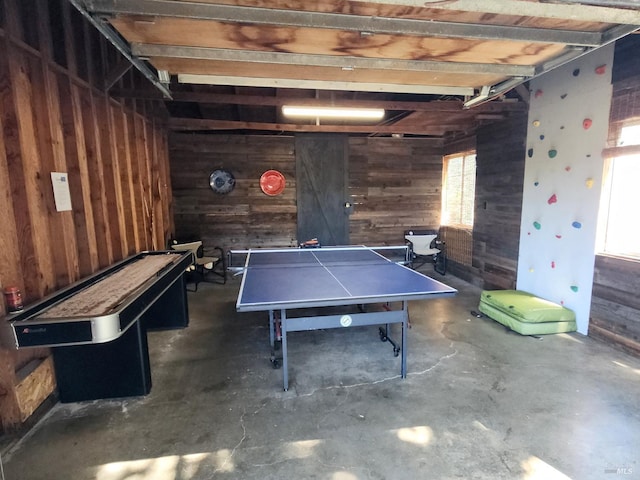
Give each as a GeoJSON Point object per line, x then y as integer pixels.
{"type": "Point", "coordinates": [552, 199]}
{"type": "Point", "coordinates": [586, 123]}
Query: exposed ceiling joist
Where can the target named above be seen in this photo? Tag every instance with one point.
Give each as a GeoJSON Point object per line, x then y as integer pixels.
{"type": "Point", "coordinates": [322, 85]}
{"type": "Point", "coordinates": [339, 21]}
{"type": "Point", "coordinates": [344, 62]}
{"type": "Point", "coordinates": [106, 30]}
{"type": "Point", "coordinates": [567, 9]}
{"type": "Point", "coordinates": [275, 101]}
{"type": "Point", "coordinates": [192, 124]}
{"type": "Point", "coordinates": [350, 51]}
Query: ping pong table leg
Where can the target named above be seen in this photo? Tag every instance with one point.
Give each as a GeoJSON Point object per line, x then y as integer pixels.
{"type": "Point", "coordinates": [405, 324]}
{"type": "Point", "coordinates": [285, 364]}
{"type": "Point", "coordinates": [272, 335]}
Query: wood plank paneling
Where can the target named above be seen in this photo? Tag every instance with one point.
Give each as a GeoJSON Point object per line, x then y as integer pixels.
{"type": "Point", "coordinates": [615, 307]}
{"type": "Point", "coordinates": [500, 164]}
{"type": "Point", "coordinates": [393, 183]}
{"type": "Point", "coordinates": [615, 304]}
{"type": "Point", "coordinates": [52, 120]}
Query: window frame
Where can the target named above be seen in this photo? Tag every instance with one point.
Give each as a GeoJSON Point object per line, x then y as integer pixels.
{"type": "Point", "coordinates": [610, 155]}
{"type": "Point", "coordinates": [445, 217]}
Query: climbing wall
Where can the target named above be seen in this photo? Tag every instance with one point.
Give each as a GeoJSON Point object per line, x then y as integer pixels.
{"type": "Point", "coordinates": [568, 125]}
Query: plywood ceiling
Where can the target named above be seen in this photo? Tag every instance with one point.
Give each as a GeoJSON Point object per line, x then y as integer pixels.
{"type": "Point", "coordinates": [229, 65]}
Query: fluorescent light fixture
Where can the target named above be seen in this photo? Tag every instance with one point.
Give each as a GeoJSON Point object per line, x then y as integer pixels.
{"type": "Point", "coordinates": [333, 112]}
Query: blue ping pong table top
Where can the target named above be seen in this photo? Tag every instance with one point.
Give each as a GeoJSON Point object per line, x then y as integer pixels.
{"type": "Point", "coordinates": [300, 278]}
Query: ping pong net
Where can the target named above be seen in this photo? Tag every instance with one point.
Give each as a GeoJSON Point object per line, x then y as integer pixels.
{"type": "Point", "coordinates": [348, 256]}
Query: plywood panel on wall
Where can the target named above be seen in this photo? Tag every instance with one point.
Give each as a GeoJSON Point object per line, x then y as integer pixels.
{"type": "Point", "coordinates": [51, 120]}
{"type": "Point", "coordinates": [562, 184]}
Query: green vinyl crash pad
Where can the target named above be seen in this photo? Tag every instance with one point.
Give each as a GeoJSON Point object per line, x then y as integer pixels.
{"type": "Point", "coordinates": [525, 313]}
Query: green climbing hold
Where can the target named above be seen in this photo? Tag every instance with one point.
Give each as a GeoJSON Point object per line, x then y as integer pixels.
{"type": "Point", "coordinates": [537, 225]}
{"type": "Point", "coordinates": [552, 153]}
{"type": "Point", "coordinates": [574, 288]}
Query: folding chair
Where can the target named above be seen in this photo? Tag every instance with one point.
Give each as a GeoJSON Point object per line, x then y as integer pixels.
{"type": "Point", "coordinates": [203, 265]}
{"type": "Point", "coordinates": [425, 246]}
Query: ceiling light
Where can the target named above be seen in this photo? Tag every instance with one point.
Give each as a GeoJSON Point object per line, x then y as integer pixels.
{"type": "Point", "coordinates": [333, 112]}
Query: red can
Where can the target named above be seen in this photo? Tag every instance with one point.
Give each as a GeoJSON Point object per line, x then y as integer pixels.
{"type": "Point", "coordinates": [13, 298]}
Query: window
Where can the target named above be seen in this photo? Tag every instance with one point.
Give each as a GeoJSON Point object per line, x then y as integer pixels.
{"type": "Point", "coordinates": [458, 192]}
{"type": "Point", "coordinates": [618, 229]}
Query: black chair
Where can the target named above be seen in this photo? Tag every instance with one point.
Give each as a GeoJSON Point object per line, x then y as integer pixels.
{"type": "Point", "coordinates": [203, 265]}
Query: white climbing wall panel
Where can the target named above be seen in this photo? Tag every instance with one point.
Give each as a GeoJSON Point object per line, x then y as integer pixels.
{"type": "Point", "coordinates": [568, 125]}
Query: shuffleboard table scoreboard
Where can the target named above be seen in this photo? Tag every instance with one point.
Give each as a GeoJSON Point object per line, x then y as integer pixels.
{"type": "Point", "coordinates": [97, 327]}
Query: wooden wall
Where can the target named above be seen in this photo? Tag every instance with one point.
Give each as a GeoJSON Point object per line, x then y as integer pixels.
{"type": "Point", "coordinates": [245, 217]}
{"type": "Point", "coordinates": [615, 307]}
{"type": "Point", "coordinates": [500, 159]}
{"type": "Point", "coordinates": [56, 117]}
{"type": "Point", "coordinates": [394, 185]}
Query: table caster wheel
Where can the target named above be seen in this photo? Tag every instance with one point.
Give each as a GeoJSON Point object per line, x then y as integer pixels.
{"type": "Point", "coordinates": [383, 335]}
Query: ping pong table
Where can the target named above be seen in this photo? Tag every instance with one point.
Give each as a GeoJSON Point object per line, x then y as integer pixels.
{"type": "Point", "coordinates": [280, 280]}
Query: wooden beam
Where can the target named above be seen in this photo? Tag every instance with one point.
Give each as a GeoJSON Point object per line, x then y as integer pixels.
{"type": "Point", "coordinates": [322, 84]}
{"type": "Point", "coordinates": [269, 100]}
{"type": "Point", "coordinates": [122, 67]}
{"type": "Point", "coordinates": [194, 124]}
{"type": "Point", "coordinates": [526, 8]}
{"type": "Point", "coordinates": [341, 21]}
{"type": "Point", "coordinates": [151, 51]}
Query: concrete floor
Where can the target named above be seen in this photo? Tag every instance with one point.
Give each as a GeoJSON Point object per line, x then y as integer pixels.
{"type": "Point", "coordinates": [478, 403]}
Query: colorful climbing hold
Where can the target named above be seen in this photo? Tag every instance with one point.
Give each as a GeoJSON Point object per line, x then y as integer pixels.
{"type": "Point", "coordinates": [537, 225]}
{"type": "Point", "coordinates": [576, 225]}
{"type": "Point", "coordinates": [586, 123]}
{"type": "Point", "coordinates": [576, 72]}
{"type": "Point", "coordinates": [531, 270]}
{"type": "Point", "coordinates": [536, 123]}
{"type": "Point", "coordinates": [541, 137]}
{"type": "Point", "coordinates": [552, 199]}
{"type": "Point", "coordinates": [568, 168]}
{"type": "Point", "coordinates": [538, 93]}
{"type": "Point", "coordinates": [563, 96]}
{"type": "Point", "coordinates": [552, 153]}
{"type": "Point", "coordinates": [600, 70]}
{"type": "Point", "coordinates": [536, 183]}
{"type": "Point", "coordinates": [574, 288]}
{"type": "Point", "coordinates": [530, 152]}
{"type": "Point", "coordinates": [589, 182]}
{"type": "Point", "coordinates": [553, 264]}
{"type": "Point", "coordinates": [558, 236]}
